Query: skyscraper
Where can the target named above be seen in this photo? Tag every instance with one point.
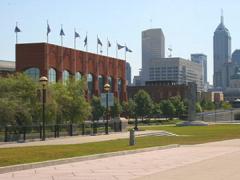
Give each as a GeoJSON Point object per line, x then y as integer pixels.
{"type": "Point", "coordinates": [222, 55]}
{"type": "Point", "coordinates": [201, 59]}
{"type": "Point", "coordinates": [236, 57]}
{"type": "Point", "coordinates": [153, 47]}
{"type": "Point", "coordinates": [128, 73]}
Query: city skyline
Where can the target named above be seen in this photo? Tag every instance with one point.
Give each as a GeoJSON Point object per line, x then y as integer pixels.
{"type": "Point", "coordinates": [188, 26]}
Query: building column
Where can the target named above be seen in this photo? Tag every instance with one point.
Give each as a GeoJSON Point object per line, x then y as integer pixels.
{"type": "Point", "coordinates": [115, 87]}
{"type": "Point", "coordinates": [95, 85]}
{"type": "Point", "coordinates": [59, 75]}
{"type": "Point", "coordinates": [124, 90]}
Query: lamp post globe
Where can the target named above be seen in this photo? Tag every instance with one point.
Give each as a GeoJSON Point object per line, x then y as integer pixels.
{"type": "Point", "coordinates": [107, 87]}
{"type": "Point", "coordinates": [43, 81]}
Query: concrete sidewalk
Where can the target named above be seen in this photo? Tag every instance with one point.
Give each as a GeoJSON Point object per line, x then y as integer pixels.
{"type": "Point", "coordinates": [218, 160]}
{"type": "Point", "coordinates": [86, 139]}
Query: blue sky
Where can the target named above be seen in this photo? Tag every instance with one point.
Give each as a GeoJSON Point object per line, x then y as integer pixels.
{"type": "Point", "coordinates": [188, 25]}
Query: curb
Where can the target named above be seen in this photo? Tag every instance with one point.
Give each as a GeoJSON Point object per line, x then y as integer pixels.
{"type": "Point", "coordinates": [20, 167]}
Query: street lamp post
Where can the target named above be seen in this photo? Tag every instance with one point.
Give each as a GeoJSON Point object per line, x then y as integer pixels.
{"type": "Point", "coordinates": [107, 88]}
{"type": "Point", "coordinates": [43, 80]}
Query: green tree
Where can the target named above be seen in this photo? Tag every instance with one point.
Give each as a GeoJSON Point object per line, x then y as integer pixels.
{"type": "Point", "coordinates": [156, 110]}
{"type": "Point", "coordinates": [18, 96]}
{"type": "Point", "coordinates": [167, 108]}
{"type": "Point", "coordinates": [116, 109]}
{"type": "Point", "coordinates": [143, 103]}
{"type": "Point", "coordinates": [226, 105]}
{"type": "Point", "coordinates": [198, 107]}
{"type": "Point", "coordinates": [71, 103]}
{"type": "Point", "coordinates": [178, 103]}
{"type": "Point", "coordinates": [129, 108]}
{"type": "Point", "coordinates": [207, 105]}
{"type": "Point", "coordinates": [97, 109]}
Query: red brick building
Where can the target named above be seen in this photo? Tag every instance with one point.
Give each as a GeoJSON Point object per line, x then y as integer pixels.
{"type": "Point", "coordinates": [160, 92]}
{"type": "Point", "coordinates": [59, 63]}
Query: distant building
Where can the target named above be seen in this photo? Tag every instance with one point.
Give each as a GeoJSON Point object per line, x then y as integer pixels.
{"type": "Point", "coordinates": [213, 96]}
{"type": "Point", "coordinates": [158, 69]}
{"type": "Point", "coordinates": [201, 59]}
{"type": "Point", "coordinates": [160, 92]}
{"type": "Point", "coordinates": [136, 81]}
{"type": "Point", "coordinates": [222, 55]}
{"type": "Point", "coordinates": [153, 47]}
{"type": "Point", "coordinates": [235, 79]}
{"type": "Point", "coordinates": [236, 57]}
{"type": "Point", "coordinates": [7, 67]}
{"type": "Point", "coordinates": [232, 93]}
{"type": "Point", "coordinates": [128, 74]}
{"type": "Point", "coordinates": [175, 70]}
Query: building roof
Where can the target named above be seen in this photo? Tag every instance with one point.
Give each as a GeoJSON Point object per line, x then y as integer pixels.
{"type": "Point", "coordinates": [221, 27]}
{"type": "Point", "coordinates": [7, 65]}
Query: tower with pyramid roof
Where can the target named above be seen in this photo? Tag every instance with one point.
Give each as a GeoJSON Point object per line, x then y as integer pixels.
{"type": "Point", "coordinates": [222, 55]}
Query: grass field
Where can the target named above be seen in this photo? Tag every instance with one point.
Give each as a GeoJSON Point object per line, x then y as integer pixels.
{"type": "Point", "coordinates": [191, 135]}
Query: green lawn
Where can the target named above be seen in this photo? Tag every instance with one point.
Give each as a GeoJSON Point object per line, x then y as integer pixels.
{"type": "Point", "coordinates": [192, 135]}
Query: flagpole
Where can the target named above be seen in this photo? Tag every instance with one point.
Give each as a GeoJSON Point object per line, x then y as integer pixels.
{"type": "Point", "coordinates": [75, 58]}
{"type": "Point", "coordinates": [116, 50]}
{"type": "Point", "coordinates": [62, 52]}
{"type": "Point", "coordinates": [47, 50]}
{"type": "Point", "coordinates": [16, 34]}
{"type": "Point", "coordinates": [125, 52]}
{"type": "Point", "coordinates": [86, 43]}
{"type": "Point", "coordinates": [47, 31]}
{"type": "Point", "coordinates": [86, 56]}
{"type": "Point", "coordinates": [107, 46]}
{"type": "Point", "coordinates": [97, 44]}
{"type": "Point", "coordinates": [74, 38]}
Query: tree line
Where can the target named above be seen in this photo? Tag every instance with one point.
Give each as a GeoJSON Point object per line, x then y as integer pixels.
{"type": "Point", "coordinates": [20, 103]}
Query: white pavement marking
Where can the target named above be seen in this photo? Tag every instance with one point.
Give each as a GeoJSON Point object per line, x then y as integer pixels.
{"type": "Point", "coordinates": [145, 165]}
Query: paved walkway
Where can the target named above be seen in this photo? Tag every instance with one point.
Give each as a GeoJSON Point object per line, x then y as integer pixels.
{"type": "Point", "coordinates": [218, 160]}
{"type": "Point", "coordinates": [85, 139]}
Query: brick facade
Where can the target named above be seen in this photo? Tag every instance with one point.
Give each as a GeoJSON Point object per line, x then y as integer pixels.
{"type": "Point", "coordinates": [160, 92]}
{"type": "Point", "coordinates": [45, 56]}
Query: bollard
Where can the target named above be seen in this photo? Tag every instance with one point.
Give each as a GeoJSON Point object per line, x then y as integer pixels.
{"type": "Point", "coordinates": [71, 129]}
{"type": "Point", "coordinates": [40, 131]}
{"type": "Point", "coordinates": [6, 134]}
{"type": "Point", "coordinates": [24, 134]}
{"type": "Point", "coordinates": [132, 137]}
{"type": "Point", "coordinates": [83, 129]}
{"type": "Point", "coordinates": [94, 128]}
{"type": "Point", "coordinates": [55, 131]}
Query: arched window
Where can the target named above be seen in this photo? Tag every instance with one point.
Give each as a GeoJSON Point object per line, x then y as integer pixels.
{"type": "Point", "coordinates": [119, 87]}
{"type": "Point", "coordinates": [34, 73]}
{"type": "Point", "coordinates": [90, 84]}
{"type": "Point", "coordinates": [110, 82]}
{"type": "Point", "coordinates": [100, 83]}
{"type": "Point", "coordinates": [65, 76]}
{"type": "Point", "coordinates": [78, 76]}
{"type": "Point", "coordinates": [52, 77]}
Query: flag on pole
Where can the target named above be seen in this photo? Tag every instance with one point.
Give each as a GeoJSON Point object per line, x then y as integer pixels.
{"type": "Point", "coordinates": [48, 29]}
{"type": "Point", "coordinates": [119, 46]}
{"type": "Point", "coordinates": [99, 42]}
{"type": "Point", "coordinates": [85, 41]}
{"type": "Point", "coordinates": [76, 35]}
{"type": "Point", "coordinates": [17, 30]}
{"type": "Point", "coordinates": [128, 50]}
{"type": "Point", "coordinates": [109, 44]}
{"type": "Point", "coordinates": [62, 32]}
